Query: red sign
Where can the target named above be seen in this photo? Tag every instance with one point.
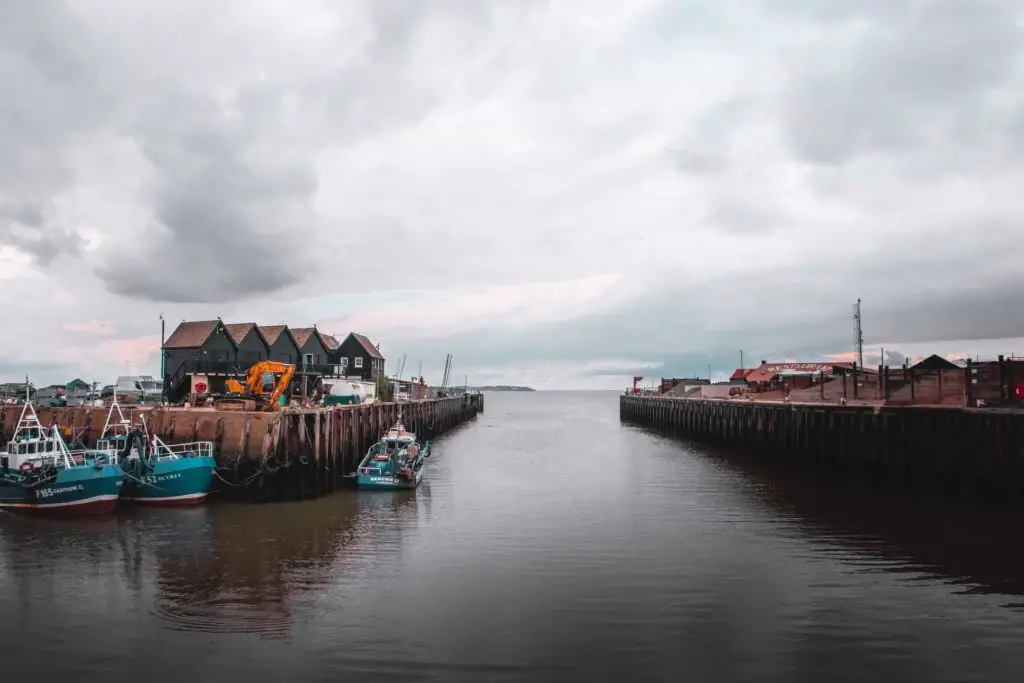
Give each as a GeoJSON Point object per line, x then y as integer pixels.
{"type": "Point", "coordinates": [1018, 391]}
{"type": "Point", "coordinates": [200, 387]}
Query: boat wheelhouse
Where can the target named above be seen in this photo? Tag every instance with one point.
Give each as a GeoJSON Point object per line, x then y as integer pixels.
{"type": "Point", "coordinates": [39, 474]}
{"type": "Point", "coordinates": [157, 473]}
{"type": "Point", "coordinates": [396, 461]}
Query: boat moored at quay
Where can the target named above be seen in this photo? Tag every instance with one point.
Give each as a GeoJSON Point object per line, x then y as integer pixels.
{"type": "Point", "coordinates": [157, 473]}
{"type": "Point", "coordinates": [396, 461]}
{"type": "Point", "coordinates": [40, 475]}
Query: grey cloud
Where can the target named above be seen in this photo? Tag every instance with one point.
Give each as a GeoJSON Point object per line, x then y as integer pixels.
{"type": "Point", "coordinates": [804, 314]}
{"type": "Point", "coordinates": [707, 147]}
{"type": "Point", "coordinates": [39, 373]}
{"type": "Point", "coordinates": [51, 97]}
{"type": "Point", "coordinates": [917, 76]}
{"type": "Point", "coordinates": [741, 214]}
{"type": "Point", "coordinates": [25, 227]}
{"type": "Point", "coordinates": [232, 188]}
{"type": "Point", "coordinates": [229, 198]}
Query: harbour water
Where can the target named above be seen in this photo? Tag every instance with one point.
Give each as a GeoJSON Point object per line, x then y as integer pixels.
{"type": "Point", "coordinates": [547, 541]}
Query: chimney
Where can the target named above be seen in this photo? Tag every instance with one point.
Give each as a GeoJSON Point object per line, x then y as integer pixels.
{"type": "Point", "coordinates": [764, 362]}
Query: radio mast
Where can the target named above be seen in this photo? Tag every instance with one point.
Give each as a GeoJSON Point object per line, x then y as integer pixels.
{"type": "Point", "coordinates": [858, 335]}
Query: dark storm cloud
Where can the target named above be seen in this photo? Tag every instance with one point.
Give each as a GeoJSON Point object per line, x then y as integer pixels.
{"type": "Point", "coordinates": [233, 157]}
{"type": "Point", "coordinates": [229, 200]}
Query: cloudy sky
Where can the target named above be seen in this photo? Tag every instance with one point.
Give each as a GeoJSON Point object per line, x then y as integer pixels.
{"type": "Point", "coordinates": [561, 193]}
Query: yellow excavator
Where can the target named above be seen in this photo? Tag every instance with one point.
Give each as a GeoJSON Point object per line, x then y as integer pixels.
{"type": "Point", "coordinates": [265, 384]}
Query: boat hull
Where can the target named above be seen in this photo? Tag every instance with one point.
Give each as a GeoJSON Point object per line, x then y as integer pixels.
{"type": "Point", "coordinates": [186, 481]}
{"type": "Point", "coordinates": [76, 492]}
{"type": "Point", "coordinates": [388, 482]}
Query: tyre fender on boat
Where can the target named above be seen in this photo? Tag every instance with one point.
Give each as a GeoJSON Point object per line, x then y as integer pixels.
{"type": "Point", "coordinates": [26, 467]}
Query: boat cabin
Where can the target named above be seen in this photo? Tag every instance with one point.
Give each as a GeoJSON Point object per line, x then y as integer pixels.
{"type": "Point", "coordinates": [33, 446]}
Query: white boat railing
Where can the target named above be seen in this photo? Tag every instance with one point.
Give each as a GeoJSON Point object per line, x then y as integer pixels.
{"type": "Point", "coordinates": [194, 449]}
{"type": "Point", "coordinates": [35, 444]}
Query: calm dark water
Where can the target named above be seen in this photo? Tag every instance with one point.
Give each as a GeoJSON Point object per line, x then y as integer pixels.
{"type": "Point", "coordinates": [548, 541]}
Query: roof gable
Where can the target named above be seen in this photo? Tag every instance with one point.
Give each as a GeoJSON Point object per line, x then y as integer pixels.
{"type": "Point", "coordinates": [367, 345]}
{"type": "Point", "coordinates": [272, 333]}
{"type": "Point", "coordinates": [302, 336]}
{"type": "Point", "coordinates": [330, 341]}
{"type": "Point", "coordinates": [239, 331]}
{"type": "Point", "coordinates": [192, 335]}
{"type": "Point", "coordinates": [935, 362]}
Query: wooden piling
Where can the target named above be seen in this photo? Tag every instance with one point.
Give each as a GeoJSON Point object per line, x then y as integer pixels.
{"type": "Point", "coordinates": [273, 456]}
{"type": "Point", "coordinates": [953, 451]}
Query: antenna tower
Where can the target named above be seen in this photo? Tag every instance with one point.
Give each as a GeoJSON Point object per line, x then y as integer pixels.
{"type": "Point", "coordinates": [858, 335]}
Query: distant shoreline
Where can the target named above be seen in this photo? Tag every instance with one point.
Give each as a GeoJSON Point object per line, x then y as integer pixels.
{"type": "Point", "coordinates": [501, 387]}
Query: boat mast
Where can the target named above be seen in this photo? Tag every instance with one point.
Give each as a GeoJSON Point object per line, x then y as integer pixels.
{"type": "Point", "coordinates": [115, 406]}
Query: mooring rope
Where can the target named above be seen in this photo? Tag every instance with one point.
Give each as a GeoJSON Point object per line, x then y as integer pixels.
{"type": "Point", "coordinates": [240, 484]}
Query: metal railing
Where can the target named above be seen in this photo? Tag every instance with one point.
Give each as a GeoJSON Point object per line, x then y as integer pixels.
{"type": "Point", "coordinates": [194, 449]}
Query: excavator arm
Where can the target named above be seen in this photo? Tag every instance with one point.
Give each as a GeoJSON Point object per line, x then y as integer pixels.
{"type": "Point", "coordinates": [282, 384]}
{"type": "Point", "coordinates": [253, 387]}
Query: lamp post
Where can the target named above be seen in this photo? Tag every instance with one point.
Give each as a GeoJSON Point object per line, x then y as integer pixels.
{"type": "Point", "coordinates": [163, 378]}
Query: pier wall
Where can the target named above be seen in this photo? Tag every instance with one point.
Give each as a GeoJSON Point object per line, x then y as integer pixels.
{"type": "Point", "coordinates": [267, 456]}
{"type": "Point", "coordinates": [957, 452]}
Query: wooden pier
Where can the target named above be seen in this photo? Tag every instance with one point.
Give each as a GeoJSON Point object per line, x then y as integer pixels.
{"type": "Point", "coordinates": [272, 456]}
{"type": "Point", "coordinates": [953, 451]}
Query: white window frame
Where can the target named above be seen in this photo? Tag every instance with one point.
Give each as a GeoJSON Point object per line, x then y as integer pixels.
{"type": "Point", "coordinates": [358, 363]}
{"type": "Point", "coordinates": [344, 362]}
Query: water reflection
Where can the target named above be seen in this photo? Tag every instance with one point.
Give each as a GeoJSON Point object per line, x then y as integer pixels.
{"type": "Point", "coordinates": [242, 569]}
{"type": "Point", "coordinates": [927, 539]}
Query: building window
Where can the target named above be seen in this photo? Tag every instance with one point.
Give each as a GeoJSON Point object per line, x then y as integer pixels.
{"type": "Point", "coordinates": [344, 362]}
{"type": "Point", "coordinates": [309, 359]}
{"type": "Point", "coordinates": [359, 361]}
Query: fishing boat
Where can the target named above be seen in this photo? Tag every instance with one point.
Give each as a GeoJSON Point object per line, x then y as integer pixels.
{"type": "Point", "coordinates": [396, 461]}
{"type": "Point", "coordinates": [40, 475]}
{"type": "Point", "coordinates": [157, 473]}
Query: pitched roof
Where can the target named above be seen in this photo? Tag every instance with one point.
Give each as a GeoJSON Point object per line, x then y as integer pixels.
{"type": "Point", "coordinates": [935, 362]}
{"type": "Point", "coordinates": [302, 335]}
{"type": "Point", "coordinates": [331, 341]}
{"type": "Point", "coordinates": [769, 371]}
{"type": "Point", "coordinates": [740, 373]}
{"type": "Point", "coordinates": [367, 345]}
{"type": "Point", "coordinates": [191, 335]}
{"type": "Point", "coordinates": [239, 331]}
{"type": "Point", "coordinates": [272, 332]}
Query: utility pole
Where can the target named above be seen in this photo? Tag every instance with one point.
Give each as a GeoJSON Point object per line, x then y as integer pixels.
{"type": "Point", "coordinates": [163, 384]}
{"type": "Point", "coordinates": [709, 373]}
{"type": "Point", "coordinates": [741, 359]}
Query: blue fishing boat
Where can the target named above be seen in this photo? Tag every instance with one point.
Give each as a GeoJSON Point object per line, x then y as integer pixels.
{"type": "Point", "coordinates": [157, 473]}
{"type": "Point", "coordinates": [40, 475]}
{"type": "Point", "coordinates": [396, 461]}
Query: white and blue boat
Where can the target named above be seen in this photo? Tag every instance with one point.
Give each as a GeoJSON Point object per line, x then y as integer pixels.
{"type": "Point", "coordinates": [157, 473]}
{"type": "Point", "coordinates": [396, 461]}
{"type": "Point", "coordinates": [40, 475]}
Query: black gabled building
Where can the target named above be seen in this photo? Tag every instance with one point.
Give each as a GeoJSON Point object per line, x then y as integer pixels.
{"type": "Point", "coordinates": [202, 346]}
{"type": "Point", "coordinates": [313, 349]}
{"type": "Point", "coordinates": [358, 357]}
{"type": "Point", "coordinates": [283, 347]}
{"type": "Point", "coordinates": [250, 344]}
